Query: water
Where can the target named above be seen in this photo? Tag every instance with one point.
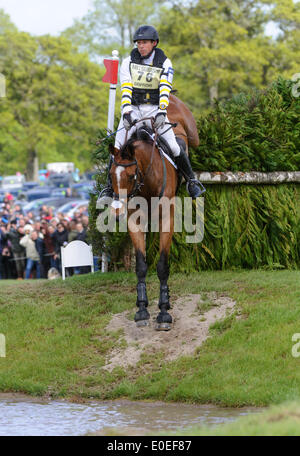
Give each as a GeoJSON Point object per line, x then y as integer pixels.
{"type": "Point", "coordinates": [20, 417]}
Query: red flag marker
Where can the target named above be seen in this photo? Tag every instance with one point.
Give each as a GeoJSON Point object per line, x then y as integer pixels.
{"type": "Point", "coordinates": [111, 74]}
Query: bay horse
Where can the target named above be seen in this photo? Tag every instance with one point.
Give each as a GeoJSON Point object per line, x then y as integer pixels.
{"type": "Point", "coordinates": [139, 169]}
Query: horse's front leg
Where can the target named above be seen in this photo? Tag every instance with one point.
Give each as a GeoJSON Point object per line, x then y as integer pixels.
{"type": "Point", "coordinates": [142, 315]}
{"type": "Point", "coordinates": [164, 319]}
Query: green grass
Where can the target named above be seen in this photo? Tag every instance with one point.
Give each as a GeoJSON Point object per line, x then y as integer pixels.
{"type": "Point", "coordinates": [282, 420]}
{"type": "Point", "coordinates": [56, 340]}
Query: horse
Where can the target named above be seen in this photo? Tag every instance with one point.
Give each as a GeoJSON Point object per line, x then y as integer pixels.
{"type": "Point", "coordinates": [139, 169]}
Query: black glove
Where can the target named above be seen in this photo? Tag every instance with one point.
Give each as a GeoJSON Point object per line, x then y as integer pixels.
{"type": "Point", "coordinates": [127, 121]}
{"type": "Point", "coordinates": [159, 121]}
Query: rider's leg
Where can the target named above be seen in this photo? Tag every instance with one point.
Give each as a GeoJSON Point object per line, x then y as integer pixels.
{"type": "Point", "coordinates": [182, 161]}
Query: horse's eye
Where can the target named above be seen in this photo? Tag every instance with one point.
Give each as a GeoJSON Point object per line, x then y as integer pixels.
{"type": "Point", "coordinates": [132, 177]}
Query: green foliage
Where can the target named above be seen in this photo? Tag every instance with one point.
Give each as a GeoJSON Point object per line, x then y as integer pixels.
{"type": "Point", "coordinates": [54, 104]}
{"type": "Point", "coordinates": [248, 226]}
{"type": "Point", "coordinates": [256, 131]}
{"type": "Point", "coordinates": [111, 24]}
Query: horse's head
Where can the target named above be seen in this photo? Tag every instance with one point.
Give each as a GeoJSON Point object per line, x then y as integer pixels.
{"type": "Point", "coordinates": [125, 177]}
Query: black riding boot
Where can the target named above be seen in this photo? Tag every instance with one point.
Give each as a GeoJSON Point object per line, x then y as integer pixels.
{"type": "Point", "coordinates": [107, 192]}
{"type": "Point", "coordinates": [194, 187]}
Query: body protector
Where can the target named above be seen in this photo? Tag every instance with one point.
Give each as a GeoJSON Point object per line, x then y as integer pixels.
{"type": "Point", "coordinates": [146, 81]}
{"type": "Point", "coordinates": [146, 78]}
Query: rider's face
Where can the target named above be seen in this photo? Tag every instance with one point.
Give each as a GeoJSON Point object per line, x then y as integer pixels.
{"type": "Point", "coordinates": [145, 47]}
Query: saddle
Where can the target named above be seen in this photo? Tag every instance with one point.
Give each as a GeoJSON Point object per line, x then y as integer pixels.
{"type": "Point", "coordinates": [145, 133]}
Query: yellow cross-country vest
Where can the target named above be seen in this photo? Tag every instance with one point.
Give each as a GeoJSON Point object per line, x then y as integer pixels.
{"type": "Point", "coordinates": [146, 78]}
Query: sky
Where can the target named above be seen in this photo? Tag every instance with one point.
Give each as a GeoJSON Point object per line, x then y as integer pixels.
{"type": "Point", "coordinates": [40, 17]}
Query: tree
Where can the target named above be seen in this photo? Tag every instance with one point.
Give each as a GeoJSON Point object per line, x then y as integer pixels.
{"type": "Point", "coordinates": [55, 102]}
{"type": "Point", "coordinates": [5, 23]}
{"type": "Point", "coordinates": [218, 47]}
{"type": "Point", "coordinates": [286, 14]}
{"type": "Point", "coordinates": [111, 24]}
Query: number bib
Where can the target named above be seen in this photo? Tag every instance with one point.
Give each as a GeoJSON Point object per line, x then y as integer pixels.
{"type": "Point", "coordinates": [145, 76]}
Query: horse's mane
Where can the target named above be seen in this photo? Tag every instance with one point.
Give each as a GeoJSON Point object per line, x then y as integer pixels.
{"type": "Point", "coordinates": [127, 150]}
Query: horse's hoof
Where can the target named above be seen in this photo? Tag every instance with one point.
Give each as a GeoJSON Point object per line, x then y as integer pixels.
{"type": "Point", "coordinates": [163, 326]}
{"type": "Point", "coordinates": [142, 315]}
{"type": "Point", "coordinates": [142, 323]}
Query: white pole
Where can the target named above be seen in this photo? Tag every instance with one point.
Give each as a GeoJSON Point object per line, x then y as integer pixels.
{"type": "Point", "coordinates": [110, 128]}
{"type": "Point", "coordinates": [112, 100]}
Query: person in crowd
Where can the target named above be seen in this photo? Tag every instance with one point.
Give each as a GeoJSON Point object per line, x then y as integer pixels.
{"type": "Point", "coordinates": [16, 229]}
{"type": "Point", "coordinates": [14, 235]}
{"type": "Point", "coordinates": [40, 248]}
{"type": "Point", "coordinates": [73, 233]}
{"type": "Point", "coordinates": [32, 254]}
{"type": "Point", "coordinates": [2, 245]}
{"type": "Point", "coordinates": [60, 237]}
{"type": "Point", "coordinates": [7, 262]}
{"type": "Point", "coordinates": [81, 232]}
{"type": "Point", "coordinates": [21, 223]}
{"type": "Point", "coordinates": [85, 221]}
{"type": "Point", "coordinates": [48, 261]}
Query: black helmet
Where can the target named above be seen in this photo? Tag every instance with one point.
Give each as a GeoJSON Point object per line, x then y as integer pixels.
{"type": "Point", "coordinates": [146, 32]}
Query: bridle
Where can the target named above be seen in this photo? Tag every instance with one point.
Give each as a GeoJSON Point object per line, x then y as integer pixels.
{"type": "Point", "coordinates": [138, 177]}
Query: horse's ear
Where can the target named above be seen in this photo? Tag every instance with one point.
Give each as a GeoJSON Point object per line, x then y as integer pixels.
{"type": "Point", "coordinates": [113, 150]}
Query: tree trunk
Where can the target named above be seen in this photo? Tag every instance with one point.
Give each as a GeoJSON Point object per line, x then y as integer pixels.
{"type": "Point", "coordinates": [32, 166]}
{"type": "Point", "coordinates": [213, 93]}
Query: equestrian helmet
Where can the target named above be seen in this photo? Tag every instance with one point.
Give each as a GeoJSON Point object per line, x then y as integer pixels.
{"type": "Point", "coordinates": [146, 32]}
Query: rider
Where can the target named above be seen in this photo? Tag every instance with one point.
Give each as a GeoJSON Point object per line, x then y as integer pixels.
{"type": "Point", "coordinates": [146, 81]}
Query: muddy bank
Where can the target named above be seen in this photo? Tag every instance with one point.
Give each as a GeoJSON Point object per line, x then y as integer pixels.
{"type": "Point", "coordinates": [189, 330]}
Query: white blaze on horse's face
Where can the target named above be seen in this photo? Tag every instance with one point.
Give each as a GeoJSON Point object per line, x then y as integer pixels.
{"type": "Point", "coordinates": [119, 171]}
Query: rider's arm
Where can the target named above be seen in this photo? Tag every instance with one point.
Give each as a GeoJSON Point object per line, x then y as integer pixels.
{"type": "Point", "coordinates": [165, 85]}
{"type": "Point", "coordinates": [126, 86]}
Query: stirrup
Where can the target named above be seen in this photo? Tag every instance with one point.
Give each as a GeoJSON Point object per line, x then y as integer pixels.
{"type": "Point", "coordinates": [197, 188]}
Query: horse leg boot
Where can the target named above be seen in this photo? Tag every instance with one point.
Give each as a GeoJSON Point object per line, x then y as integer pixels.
{"type": "Point", "coordinates": [194, 187]}
{"type": "Point", "coordinates": [164, 319]}
{"type": "Point", "coordinates": [107, 193]}
{"type": "Point", "coordinates": [142, 315]}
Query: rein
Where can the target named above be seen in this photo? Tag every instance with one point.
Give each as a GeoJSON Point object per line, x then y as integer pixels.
{"type": "Point", "coordinates": [138, 177]}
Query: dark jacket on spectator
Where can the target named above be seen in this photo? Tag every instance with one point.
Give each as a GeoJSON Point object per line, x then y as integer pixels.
{"type": "Point", "coordinates": [14, 237]}
{"type": "Point", "coordinates": [49, 242]}
{"type": "Point", "coordinates": [59, 239]}
{"type": "Point", "coordinates": [2, 240]}
{"type": "Point", "coordinates": [81, 236]}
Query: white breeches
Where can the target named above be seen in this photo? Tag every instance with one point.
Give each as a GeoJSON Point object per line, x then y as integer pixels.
{"type": "Point", "coordinates": [140, 112]}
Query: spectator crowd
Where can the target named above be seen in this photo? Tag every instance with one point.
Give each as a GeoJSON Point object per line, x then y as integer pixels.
{"type": "Point", "coordinates": [30, 245]}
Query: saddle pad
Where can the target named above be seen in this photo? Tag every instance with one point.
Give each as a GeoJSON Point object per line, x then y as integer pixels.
{"type": "Point", "coordinates": [151, 135]}
{"type": "Point", "coordinates": [169, 158]}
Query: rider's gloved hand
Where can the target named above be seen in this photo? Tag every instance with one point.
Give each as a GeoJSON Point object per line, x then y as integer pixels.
{"type": "Point", "coordinates": [127, 121]}
{"type": "Point", "coordinates": [159, 121]}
